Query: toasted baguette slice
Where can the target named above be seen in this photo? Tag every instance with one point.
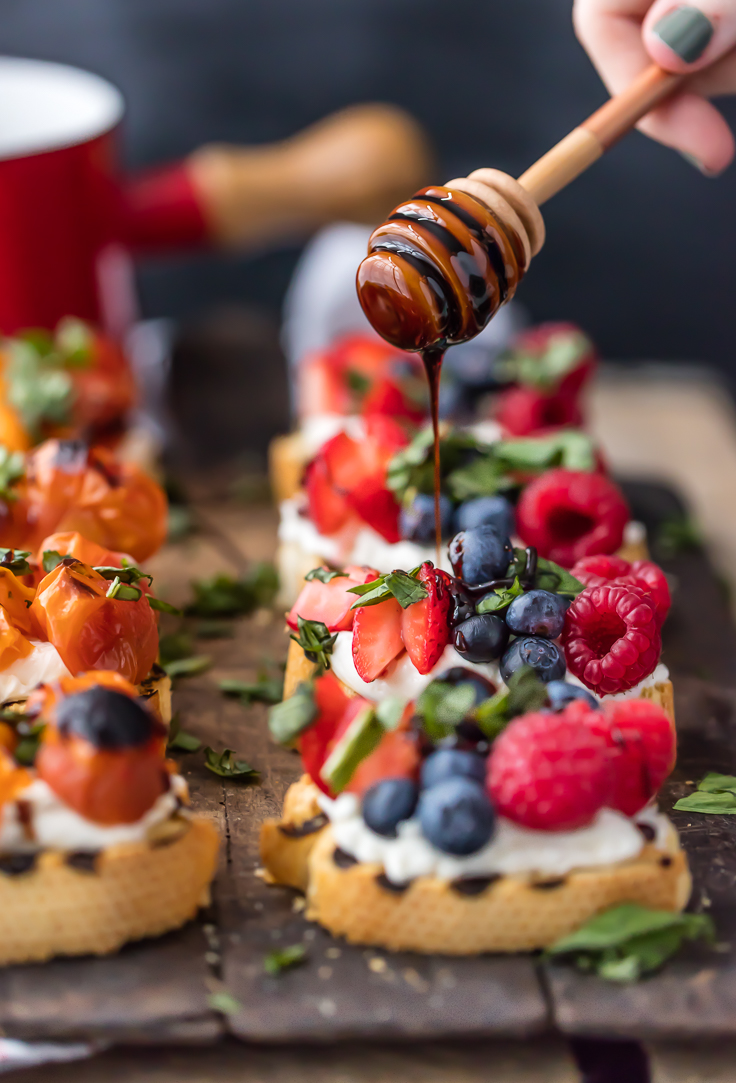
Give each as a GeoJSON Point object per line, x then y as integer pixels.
{"type": "Point", "coordinates": [156, 690]}
{"type": "Point", "coordinates": [508, 914]}
{"type": "Point", "coordinates": [66, 905]}
{"type": "Point", "coordinates": [287, 843]}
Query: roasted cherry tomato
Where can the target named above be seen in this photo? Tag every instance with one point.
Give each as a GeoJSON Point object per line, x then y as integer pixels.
{"type": "Point", "coordinates": [92, 631]}
{"type": "Point", "coordinates": [313, 743]}
{"type": "Point", "coordinates": [104, 388]}
{"type": "Point", "coordinates": [16, 598]}
{"type": "Point", "coordinates": [13, 778]}
{"type": "Point", "coordinates": [102, 756]}
{"type": "Point", "coordinates": [70, 543]}
{"type": "Point", "coordinates": [42, 701]}
{"type": "Point", "coordinates": [72, 488]}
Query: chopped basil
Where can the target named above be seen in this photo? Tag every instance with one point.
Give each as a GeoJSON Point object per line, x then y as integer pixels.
{"type": "Point", "coordinates": [162, 606]}
{"type": "Point", "coordinates": [284, 958]}
{"type": "Point", "coordinates": [526, 692]}
{"type": "Point", "coordinates": [562, 352]}
{"type": "Point", "coordinates": [492, 715]}
{"type": "Point", "coordinates": [316, 641]}
{"type": "Point", "coordinates": [678, 535]}
{"type": "Point", "coordinates": [263, 690]}
{"type": "Point", "coordinates": [357, 382]}
{"type": "Point", "coordinates": [224, 764]}
{"type": "Point", "coordinates": [483, 476]}
{"type": "Point", "coordinates": [403, 586]}
{"type": "Point", "coordinates": [442, 707]}
{"type": "Point", "coordinates": [362, 736]}
{"type": "Point", "coordinates": [628, 941]}
{"type": "Point", "coordinates": [188, 667]}
{"type": "Point", "coordinates": [324, 575]}
{"type": "Point", "coordinates": [123, 591]}
{"type": "Point", "coordinates": [716, 794]}
{"type": "Point", "coordinates": [179, 740]}
{"type": "Point", "coordinates": [571, 449]}
{"type": "Point", "coordinates": [288, 719]}
{"type": "Point", "coordinates": [175, 646]}
{"type": "Point", "coordinates": [128, 573]}
{"type": "Point", "coordinates": [549, 576]}
{"type": "Point", "coordinates": [389, 712]}
{"type": "Point", "coordinates": [224, 1002]}
{"type": "Point", "coordinates": [74, 341]}
{"type": "Point", "coordinates": [500, 599]}
{"type": "Point", "coordinates": [39, 388]}
{"type": "Point", "coordinates": [15, 560]}
{"type": "Point", "coordinates": [225, 596]}
{"type": "Point", "coordinates": [12, 469]}
{"type": "Point", "coordinates": [214, 629]}
{"type": "Point", "coordinates": [51, 559]}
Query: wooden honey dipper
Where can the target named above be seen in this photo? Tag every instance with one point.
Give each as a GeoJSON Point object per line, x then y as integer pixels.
{"type": "Point", "coordinates": [445, 260]}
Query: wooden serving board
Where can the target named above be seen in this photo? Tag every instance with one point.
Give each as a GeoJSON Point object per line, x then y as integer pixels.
{"type": "Point", "coordinates": [159, 991]}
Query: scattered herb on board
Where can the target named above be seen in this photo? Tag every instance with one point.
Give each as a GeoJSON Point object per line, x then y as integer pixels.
{"type": "Point", "coordinates": [188, 667]}
{"type": "Point", "coordinates": [174, 646]}
{"type": "Point", "coordinates": [284, 958]}
{"type": "Point", "coordinates": [316, 641]}
{"type": "Point", "coordinates": [403, 586]}
{"type": "Point", "coordinates": [264, 689]}
{"type": "Point", "coordinates": [677, 535]}
{"type": "Point", "coordinates": [224, 764]}
{"type": "Point", "coordinates": [224, 1002]}
{"type": "Point", "coordinates": [214, 629]}
{"type": "Point", "coordinates": [180, 522]}
{"type": "Point", "coordinates": [715, 794]}
{"type": "Point", "coordinates": [288, 719]}
{"type": "Point", "coordinates": [629, 941]}
{"type": "Point", "coordinates": [180, 740]}
{"type": "Point", "coordinates": [222, 595]}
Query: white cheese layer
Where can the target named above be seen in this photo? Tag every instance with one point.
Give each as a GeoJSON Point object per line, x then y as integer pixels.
{"type": "Point", "coordinates": [42, 665]}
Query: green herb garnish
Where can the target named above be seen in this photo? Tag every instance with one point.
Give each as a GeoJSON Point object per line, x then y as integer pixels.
{"type": "Point", "coordinates": [179, 740]}
{"type": "Point", "coordinates": [288, 719]}
{"type": "Point", "coordinates": [500, 599]}
{"type": "Point", "coordinates": [224, 764]}
{"type": "Point", "coordinates": [15, 560]}
{"type": "Point", "coordinates": [264, 689]}
{"type": "Point", "coordinates": [316, 641]}
{"type": "Point", "coordinates": [51, 559]}
{"type": "Point", "coordinates": [123, 591]}
{"type": "Point", "coordinates": [678, 535]}
{"type": "Point", "coordinates": [324, 575]}
{"type": "Point", "coordinates": [174, 646]}
{"type": "Point", "coordinates": [214, 629]}
{"type": "Point", "coordinates": [403, 586]}
{"type": "Point", "coordinates": [224, 1002]}
{"type": "Point", "coordinates": [563, 351]}
{"type": "Point", "coordinates": [716, 794]}
{"type": "Point", "coordinates": [443, 706]}
{"type": "Point", "coordinates": [12, 469]}
{"type": "Point", "coordinates": [629, 941]}
{"type": "Point", "coordinates": [277, 961]}
{"type": "Point", "coordinates": [225, 596]}
{"type": "Point", "coordinates": [188, 667]}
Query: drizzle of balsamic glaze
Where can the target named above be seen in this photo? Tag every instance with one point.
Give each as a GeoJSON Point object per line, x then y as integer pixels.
{"type": "Point", "coordinates": [647, 831]}
{"type": "Point", "coordinates": [343, 860]}
{"type": "Point", "coordinates": [83, 860]}
{"type": "Point", "coordinates": [388, 885]}
{"type": "Point", "coordinates": [549, 885]}
{"type": "Point", "coordinates": [299, 831]}
{"type": "Point", "coordinates": [665, 862]}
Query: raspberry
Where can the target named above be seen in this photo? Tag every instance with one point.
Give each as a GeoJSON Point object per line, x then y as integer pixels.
{"type": "Point", "coordinates": [568, 515]}
{"type": "Point", "coordinates": [552, 772]}
{"type": "Point", "coordinates": [524, 411]}
{"type": "Point", "coordinates": [611, 637]}
{"type": "Point", "coordinates": [642, 740]}
{"type": "Point", "coordinates": [597, 570]}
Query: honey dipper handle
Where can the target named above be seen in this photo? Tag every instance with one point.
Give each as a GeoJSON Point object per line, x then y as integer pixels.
{"type": "Point", "coordinates": [586, 143]}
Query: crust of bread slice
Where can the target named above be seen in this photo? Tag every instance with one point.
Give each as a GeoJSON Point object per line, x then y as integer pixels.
{"type": "Point", "coordinates": [284, 846]}
{"type": "Point", "coordinates": [512, 913]}
{"type": "Point", "coordinates": [156, 690]}
{"type": "Point", "coordinates": [287, 457]}
{"type": "Point", "coordinates": [134, 890]}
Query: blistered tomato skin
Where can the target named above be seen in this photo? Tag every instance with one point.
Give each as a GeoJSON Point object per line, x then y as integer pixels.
{"type": "Point", "coordinates": [105, 718]}
{"type": "Point", "coordinates": [107, 786]}
{"type": "Point", "coordinates": [92, 631]}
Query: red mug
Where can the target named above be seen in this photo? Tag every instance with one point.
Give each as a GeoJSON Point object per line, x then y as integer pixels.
{"type": "Point", "coordinates": [68, 219]}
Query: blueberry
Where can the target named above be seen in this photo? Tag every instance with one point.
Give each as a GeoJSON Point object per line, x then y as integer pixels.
{"type": "Point", "coordinates": [537, 613]}
{"type": "Point", "coordinates": [105, 718]}
{"type": "Point", "coordinates": [493, 511]}
{"type": "Point", "coordinates": [451, 762]}
{"type": "Point", "coordinates": [387, 803]}
{"type": "Point", "coordinates": [481, 638]}
{"type": "Point", "coordinates": [560, 693]}
{"type": "Point", "coordinates": [456, 815]}
{"type": "Point", "coordinates": [544, 657]}
{"type": "Point", "coordinates": [480, 555]}
{"type": "Point", "coordinates": [484, 688]}
{"type": "Point", "coordinates": [416, 521]}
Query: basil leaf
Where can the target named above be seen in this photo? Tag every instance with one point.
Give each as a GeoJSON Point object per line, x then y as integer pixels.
{"type": "Point", "coordinates": [128, 573]}
{"type": "Point", "coordinates": [484, 476]}
{"type": "Point", "coordinates": [264, 690]}
{"type": "Point", "coordinates": [214, 629]}
{"type": "Point", "coordinates": [123, 591]}
{"type": "Point", "coordinates": [492, 715]}
{"type": "Point", "coordinates": [188, 667]}
{"type": "Point", "coordinates": [679, 535]}
{"type": "Point", "coordinates": [15, 560]}
{"type": "Point", "coordinates": [184, 742]}
{"type": "Point", "coordinates": [379, 592]}
{"type": "Point", "coordinates": [12, 469]}
{"type": "Point", "coordinates": [288, 719]}
{"type": "Point", "coordinates": [362, 737]}
{"type": "Point", "coordinates": [630, 940]}
{"type": "Point", "coordinates": [403, 586]}
{"type": "Point", "coordinates": [38, 387]}
{"type": "Point", "coordinates": [162, 606]}
{"type": "Point", "coordinates": [51, 559]}
{"type": "Point", "coordinates": [74, 341]}
{"type": "Point", "coordinates": [389, 712]}
{"type": "Point", "coordinates": [222, 595]}
{"type": "Point", "coordinates": [550, 576]}
{"type": "Point", "coordinates": [571, 449]}
{"type": "Point", "coordinates": [224, 764]}
{"type": "Point", "coordinates": [324, 575]}
{"type": "Point", "coordinates": [500, 599]}
{"type": "Point", "coordinates": [715, 783]}
{"type": "Point", "coordinates": [175, 646]}
{"type": "Point", "coordinates": [526, 692]}
{"type": "Point", "coordinates": [357, 382]}
{"type": "Point", "coordinates": [224, 1002]}
{"type": "Point", "coordinates": [561, 353]}
{"type": "Point", "coordinates": [284, 958]}
{"type": "Point", "coordinates": [316, 640]}
{"type": "Point", "coordinates": [716, 794]}
{"type": "Point", "coordinates": [442, 707]}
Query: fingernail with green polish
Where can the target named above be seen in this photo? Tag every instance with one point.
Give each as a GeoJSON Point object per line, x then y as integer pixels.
{"type": "Point", "coordinates": [686, 31]}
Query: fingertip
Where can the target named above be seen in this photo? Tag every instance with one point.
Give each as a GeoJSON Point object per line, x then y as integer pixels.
{"type": "Point", "coordinates": [694, 127]}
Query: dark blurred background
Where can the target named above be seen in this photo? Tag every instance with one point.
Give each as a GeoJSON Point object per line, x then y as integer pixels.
{"type": "Point", "coordinates": [640, 250]}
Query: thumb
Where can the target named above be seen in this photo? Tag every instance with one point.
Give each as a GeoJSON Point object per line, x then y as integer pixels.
{"type": "Point", "coordinates": [688, 37]}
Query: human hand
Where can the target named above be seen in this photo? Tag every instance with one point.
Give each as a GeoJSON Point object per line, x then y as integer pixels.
{"type": "Point", "coordinates": [622, 37]}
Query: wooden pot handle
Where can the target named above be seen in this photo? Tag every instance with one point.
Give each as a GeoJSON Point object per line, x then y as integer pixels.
{"type": "Point", "coordinates": [586, 143]}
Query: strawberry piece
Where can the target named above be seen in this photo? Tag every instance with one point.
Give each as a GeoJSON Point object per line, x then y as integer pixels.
{"type": "Point", "coordinates": [377, 506]}
{"type": "Point", "coordinates": [611, 637]}
{"type": "Point", "coordinates": [329, 602]}
{"type": "Point", "coordinates": [525, 411]}
{"type": "Point", "coordinates": [387, 398]}
{"type": "Point", "coordinates": [425, 626]}
{"type": "Point", "coordinates": [327, 508]}
{"type": "Point", "coordinates": [539, 340]}
{"type": "Point", "coordinates": [570, 514]}
{"type": "Point", "coordinates": [376, 638]}
{"type": "Point", "coordinates": [384, 437]}
{"type": "Point", "coordinates": [551, 772]}
{"type": "Point", "coordinates": [397, 756]}
{"type": "Point", "coordinates": [315, 742]}
{"type": "Point", "coordinates": [643, 746]}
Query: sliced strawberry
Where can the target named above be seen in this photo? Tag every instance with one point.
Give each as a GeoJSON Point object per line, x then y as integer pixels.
{"type": "Point", "coordinates": [376, 638]}
{"type": "Point", "coordinates": [327, 508]}
{"type": "Point", "coordinates": [385, 437]}
{"type": "Point", "coordinates": [315, 742]}
{"type": "Point", "coordinates": [397, 756]}
{"type": "Point", "coordinates": [377, 506]}
{"type": "Point", "coordinates": [329, 602]}
{"type": "Point", "coordinates": [425, 625]}
{"type": "Point", "coordinates": [387, 398]}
